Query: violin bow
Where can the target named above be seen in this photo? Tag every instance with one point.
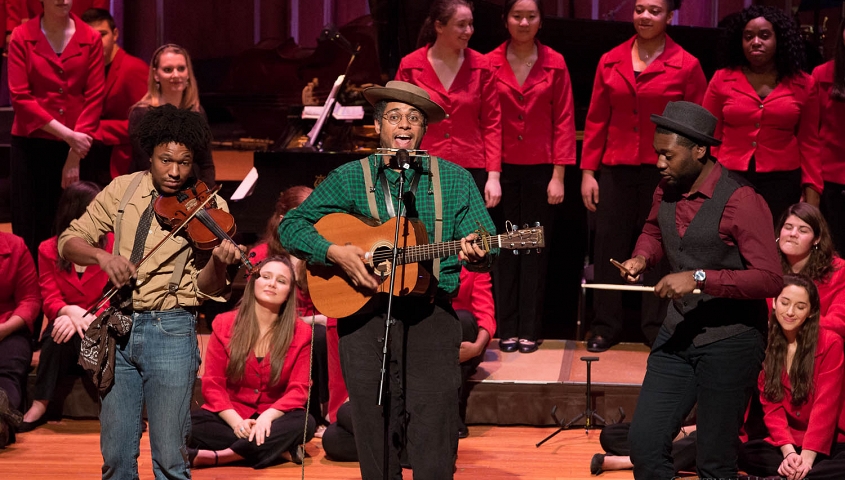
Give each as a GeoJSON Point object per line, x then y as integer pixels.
{"type": "Point", "coordinates": [108, 295]}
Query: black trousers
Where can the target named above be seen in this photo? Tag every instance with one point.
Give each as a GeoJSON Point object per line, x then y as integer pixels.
{"type": "Point", "coordinates": [210, 432]}
{"type": "Point", "coordinates": [56, 360]}
{"type": "Point", "coordinates": [614, 441]}
{"type": "Point", "coordinates": [423, 382]}
{"type": "Point", "coordinates": [36, 170]}
{"type": "Point", "coordinates": [15, 357]}
{"type": "Point", "coordinates": [625, 194]}
{"type": "Point", "coordinates": [521, 279]}
{"type": "Point", "coordinates": [720, 377]}
{"type": "Point", "coordinates": [339, 437]}
{"type": "Point", "coordinates": [759, 457]}
{"type": "Point", "coordinates": [833, 207]}
{"type": "Point", "coordinates": [779, 189]}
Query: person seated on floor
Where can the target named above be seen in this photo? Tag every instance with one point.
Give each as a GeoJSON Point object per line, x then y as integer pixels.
{"type": "Point", "coordinates": [801, 392]}
{"type": "Point", "coordinates": [327, 388]}
{"type": "Point", "coordinates": [806, 247]}
{"type": "Point", "coordinates": [256, 377]}
{"type": "Point", "coordinates": [20, 303]}
{"type": "Point", "coordinates": [614, 441]}
{"type": "Point", "coordinates": [68, 291]}
{"type": "Point", "coordinates": [476, 312]}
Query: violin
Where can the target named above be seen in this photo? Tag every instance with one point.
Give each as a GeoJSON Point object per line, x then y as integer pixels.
{"type": "Point", "coordinates": [207, 225]}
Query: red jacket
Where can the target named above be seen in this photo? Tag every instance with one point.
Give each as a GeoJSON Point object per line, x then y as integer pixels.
{"type": "Point", "coordinates": [619, 130]}
{"type": "Point", "coordinates": [17, 10]}
{"type": "Point", "coordinates": [60, 288]}
{"type": "Point", "coordinates": [831, 122]}
{"type": "Point", "coordinates": [45, 86]}
{"type": "Point", "coordinates": [781, 132]}
{"type": "Point", "coordinates": [538, 118]}
{"type": "Point", "coordinates": [126, 84]}
{"type": "Point", "coordinates": [19, 293]}
{"type": "Point", "coordinates": [252, 394]}
{"type": "Point", "coordinates": [820, 421]}
{"type": "Point", "coordinates": [471, 134]}
{"type": "Point", "coordinates": [476, 297]}
{"type": "Point", "coordinates": [832, 299]}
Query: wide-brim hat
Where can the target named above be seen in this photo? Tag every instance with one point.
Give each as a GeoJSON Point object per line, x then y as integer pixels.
{"type": "Point", "coordinates": [689, 120]}
{"type": "Point", "coordinates": [398, 91]}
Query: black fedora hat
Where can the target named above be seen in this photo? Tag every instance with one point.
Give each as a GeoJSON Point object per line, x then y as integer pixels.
{"type": "Point", "coordinates": [689, 120]}
{"type": "Point", "coordinates": [398, 91]}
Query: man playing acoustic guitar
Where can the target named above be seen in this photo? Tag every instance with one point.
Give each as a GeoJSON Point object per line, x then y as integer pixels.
{"type": "Point", "coordinates": [423, 345]}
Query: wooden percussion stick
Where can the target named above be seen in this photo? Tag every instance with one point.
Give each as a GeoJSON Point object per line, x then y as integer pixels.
{"type": "Point", "coordinates": [631, 288]}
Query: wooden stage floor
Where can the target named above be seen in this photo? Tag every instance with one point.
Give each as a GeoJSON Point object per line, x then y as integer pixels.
{"type": "Point", "coordinates": [70, 450]}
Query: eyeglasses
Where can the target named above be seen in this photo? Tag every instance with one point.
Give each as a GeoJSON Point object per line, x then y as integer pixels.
{"type": "Point", "coordinates": [414, 118]}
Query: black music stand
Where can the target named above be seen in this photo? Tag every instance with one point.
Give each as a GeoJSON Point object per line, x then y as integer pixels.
{"type": "Point", "coordinates": [589, 415]}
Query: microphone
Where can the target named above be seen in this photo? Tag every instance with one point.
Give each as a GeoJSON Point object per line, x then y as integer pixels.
{"type": "Point", "coordinates": [402, 159]}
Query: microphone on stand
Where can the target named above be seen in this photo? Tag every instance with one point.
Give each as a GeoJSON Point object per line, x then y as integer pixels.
{"type": "Point", "coordinates": [402, 159]}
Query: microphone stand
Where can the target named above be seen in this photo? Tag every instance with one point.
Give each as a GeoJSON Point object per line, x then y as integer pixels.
{"type": "Point", "coordinates": [402, 163]}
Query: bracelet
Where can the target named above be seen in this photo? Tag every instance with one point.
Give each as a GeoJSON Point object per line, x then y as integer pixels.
{"type": "Point", "coordinates": [788, 454]}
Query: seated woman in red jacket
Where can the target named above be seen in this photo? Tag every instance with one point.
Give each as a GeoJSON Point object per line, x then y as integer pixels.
{"type": "Point", "coordinates": [801, 392]}
{"type": "Point", "coordinates": [68, 290]}
{"type": "Point", "coordinates": [256, 377]}
{"type": "Point", "coordinates": [806, 247]}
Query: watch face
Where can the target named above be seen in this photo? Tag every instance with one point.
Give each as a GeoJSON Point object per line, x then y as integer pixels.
{"type": "Point", "coordinates": [699, 276]}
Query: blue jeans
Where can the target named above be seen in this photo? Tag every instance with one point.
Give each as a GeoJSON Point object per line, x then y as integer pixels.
{"type": "Point", "coordinates": [157, 365]}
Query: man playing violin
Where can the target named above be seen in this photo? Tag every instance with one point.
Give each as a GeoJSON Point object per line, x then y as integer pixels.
{"type": "Point", "coordinates": [156, 363]}
{"type": "Point", "coordinates": [424, 342]}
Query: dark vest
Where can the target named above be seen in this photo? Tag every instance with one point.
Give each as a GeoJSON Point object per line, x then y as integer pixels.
{"type": "Point", "coordinates": [704, 319]}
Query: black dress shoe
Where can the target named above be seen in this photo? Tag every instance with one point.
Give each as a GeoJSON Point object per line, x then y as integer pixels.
{"type": "Point", "coordinates": [508, 345]}
{"type": "Point", "coordinates": [528, 346]}
{"type": "Point", "coordinates": [598, 344]}
{"type": "Point", "coordinates": [297, 454]}
{"type": "Point", "coordinates": [596, 463]}
{"type": "Point", "coordinates": [30, 426]}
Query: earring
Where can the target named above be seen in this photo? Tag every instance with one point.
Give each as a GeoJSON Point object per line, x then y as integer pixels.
{"type": "Point", "coordinates": [777, 240]}
{"type": "Point", "coordinates": [816, 246]}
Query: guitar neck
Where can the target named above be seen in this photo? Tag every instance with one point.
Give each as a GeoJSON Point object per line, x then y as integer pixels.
{"type": "Point", "coordinates": [422, 253]}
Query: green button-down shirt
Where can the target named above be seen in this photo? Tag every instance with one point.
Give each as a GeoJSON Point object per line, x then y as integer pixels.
{"type": "Point", "coordinates": [344, 190]}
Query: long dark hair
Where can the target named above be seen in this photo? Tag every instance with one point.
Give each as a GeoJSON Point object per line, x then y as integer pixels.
{"type": "Point", "coordinates": [245, 332]}
{"type": "Point", "coordinates": [801, 372]}
{"type": "Point", "coordinates": [287, 201]}
{"type": "Point", "coordinates": [837, 93]}
{"type": "Point", "coordinates": [72, 204]}
{"type": "Point", "coordinates": [820, 264]}
{"type": "Point", "coordinates": [790, 55]}
{"type": "Point", "coordinates": [441, 11]}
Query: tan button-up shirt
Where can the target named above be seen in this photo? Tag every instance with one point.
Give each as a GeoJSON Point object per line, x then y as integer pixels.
{"type": "Point", "coordinates": [154, 275]}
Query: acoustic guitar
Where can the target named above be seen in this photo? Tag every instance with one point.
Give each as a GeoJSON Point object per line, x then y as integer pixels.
{"type": "Point", "coordinates": [335, 296]}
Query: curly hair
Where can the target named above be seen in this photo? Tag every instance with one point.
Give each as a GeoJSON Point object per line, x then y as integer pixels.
{"type": "Point", "coordinates": [820, 265]}
{"type": "Point", "coordinates": [441, 11]}
{"type": "Point", "coordinates": [72, 204]}
{"type": "Point", "coordinates": [801, 372]}
{"type": "Point", "coordinates": [165, 124]}
{"type": "Point", "coordinates": [789, 56]}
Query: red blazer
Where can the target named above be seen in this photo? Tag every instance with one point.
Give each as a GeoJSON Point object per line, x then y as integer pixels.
{"type": "Point", "coordinates": [538, 118]}
{"type": "Point", "coordinates": [3, 17]}
{"type": "Point", "coordinates": [476, 296]}
{"type": "Point", "coordinates": [252, 394]}
{"type": "Point", "coordinates": [819, 422]}
{"type": "Point", "coordinates": [832, 299]}
{"type": "Point", "coordinates": [60, 288]}
{"type": "Point", "coordinates": [619, 130]}
{"type": "Point", "coordinates": [831, 123]}
{"type": "Point", "coordinates": [17, 10]}
{"type": "Point", "coordinates": [19, 293]}
{"type": "Point", "coordinates": [781, 132]}
{"type": "Point", "coordinates": [471, 134]}
{"type": "Point", "coordinates": [126, 84]}
{"type": "Point", "coordinates": [45, 86]}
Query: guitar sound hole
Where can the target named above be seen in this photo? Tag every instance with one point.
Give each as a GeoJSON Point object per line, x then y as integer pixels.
{"type": "Point", "coordinates": [381, 260]}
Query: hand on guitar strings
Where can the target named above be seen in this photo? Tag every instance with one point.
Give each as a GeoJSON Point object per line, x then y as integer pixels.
{"type": "Point", "coordinates": [470, 250]}
{"type": "Point", "coordinates": [352, 260]}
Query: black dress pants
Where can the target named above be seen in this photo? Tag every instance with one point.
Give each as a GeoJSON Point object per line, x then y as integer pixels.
{"type": "Point", "coordinates": [720, 376]}
{"type": "Point", "coordinates": [759, 457]}
{"type": "Point", "coordinates": [210, 432]}
{"type": "Point", "coordinates": [36, 171]}
{"type": "Point", "coordinates": [339, 437]}
{"type": "Point", "coordinates": [423, 382]}
{"type": "Point", "coordinates": [521, 279]}
{"type": "Point", "coordinates": [57, 360]}
{"type": "Point", "coordinates": [779, 189]}
{"type": "Point", "coordinates": [614, 441]}
{"type": "Point", "coordinates": [625, 195]}
{"type": "Point", "coordinates": [833, 208]}
{"type": "Point", "coordinates": [15, 357]}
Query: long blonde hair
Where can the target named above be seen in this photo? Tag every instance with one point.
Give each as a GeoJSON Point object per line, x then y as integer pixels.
{"type": "Point", "coordinates": [245, 332]}
{"type": "Point", "coordinates": [190, 96]}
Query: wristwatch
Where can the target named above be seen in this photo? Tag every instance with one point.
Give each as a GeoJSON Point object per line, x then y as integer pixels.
{"type": "Point", "coordinates": [699, 276]}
